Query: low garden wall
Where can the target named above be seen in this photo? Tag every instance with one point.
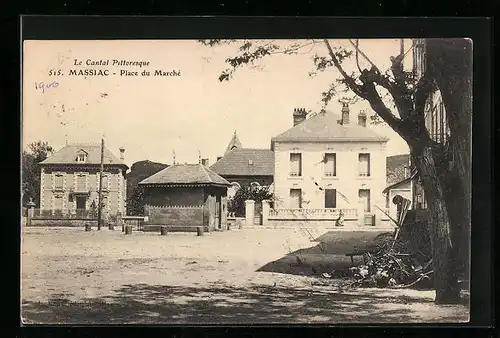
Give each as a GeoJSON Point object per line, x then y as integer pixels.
{"type": "Point", "coordinates": [61, 222]}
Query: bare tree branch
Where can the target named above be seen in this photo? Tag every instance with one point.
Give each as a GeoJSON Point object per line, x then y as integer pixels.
{"type": "Point", "coordinates": [362, 54]}
{"type": "Point", "coordinates": [348, 80]}
{"type": "Point", "coordinates": [368, 92]}
{"type": "Point", "coordinates": [357, 55]}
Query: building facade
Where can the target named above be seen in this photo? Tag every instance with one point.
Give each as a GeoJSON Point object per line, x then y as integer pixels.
{"type": "Point", "coordinates": [183, 197]}
{"type": "Point", "coordinates": [328, 163]}
{"type": "Point", "coordinates": [70, 181]}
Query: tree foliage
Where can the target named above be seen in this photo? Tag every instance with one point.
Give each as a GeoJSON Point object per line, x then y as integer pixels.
{"type": "Point", "coordinates": [399, 99]}
{"type": "Point", "coordinates": [35, 153]}
{"type": "Point", "coordinates": [139, 171]}
{"type": "Point", "coordinates": [236, 204]}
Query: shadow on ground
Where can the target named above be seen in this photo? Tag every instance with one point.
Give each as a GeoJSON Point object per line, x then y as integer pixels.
{"type": "Point", "coordinates": [328, 255]}
{"type": "Point", "coordinates": [156, 304]}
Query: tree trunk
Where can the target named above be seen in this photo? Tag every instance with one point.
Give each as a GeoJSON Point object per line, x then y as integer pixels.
{"type": "Point", "coordinates": [443, 249]}
{"type": "Point", "coordinates": [450, 64]}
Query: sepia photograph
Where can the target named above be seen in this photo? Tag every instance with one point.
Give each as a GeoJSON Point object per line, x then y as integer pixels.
{"type": "Point", "coordinates": [245, 181]}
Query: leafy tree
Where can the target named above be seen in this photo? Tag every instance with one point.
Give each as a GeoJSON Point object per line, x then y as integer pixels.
{"type": "Point", "coordinates": [399, 99]}
{"type": "Point", "coordinates": [138, 172]}
{"type": "Point", "coordinates": [135, 202]}
{"type": "Point", "coordinates": [35, 153]}
{"type": "Point", "coordinates": [237, 203]}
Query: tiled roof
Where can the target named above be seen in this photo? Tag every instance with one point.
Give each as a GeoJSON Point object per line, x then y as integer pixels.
{"type": "Point", "coordinates": [395, 168]}
{"type": "Point", "coordinates": [185, 174]}
{"type": "Point", "coordinates": [68, 154]}
{"type": "Point", "coordinates": [246, 162]}
{"type": "Point", "coordinates": [324, 127]}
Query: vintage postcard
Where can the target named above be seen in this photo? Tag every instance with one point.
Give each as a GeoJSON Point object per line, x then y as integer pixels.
{"type": "Point", "coordinates": [314, 181]}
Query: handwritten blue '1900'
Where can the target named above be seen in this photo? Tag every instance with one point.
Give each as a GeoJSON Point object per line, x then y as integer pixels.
{"type": "Point", "coordinates": [42, 86]}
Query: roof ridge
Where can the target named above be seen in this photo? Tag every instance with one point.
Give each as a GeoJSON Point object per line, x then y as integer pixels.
{"type": "Point", "coordinates": [239, 149]}
{"type": "Point", "coordinates": [206, 173]}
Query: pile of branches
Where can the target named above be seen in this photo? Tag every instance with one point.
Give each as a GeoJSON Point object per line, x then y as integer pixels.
{"type": "Point", "coordinates": [391, 265]}
{"type": "Point", "coordinates": [393, 262]}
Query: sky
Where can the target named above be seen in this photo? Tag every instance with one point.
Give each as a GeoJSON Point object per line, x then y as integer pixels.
{"type": "Point", "coordinates": [191, 114]}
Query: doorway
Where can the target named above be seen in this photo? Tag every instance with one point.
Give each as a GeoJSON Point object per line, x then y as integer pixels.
{"type": "Point", "coordinates": [364, 198]}
{"type": "Point", "coordinates": [218, 213]}
{"type": "Point", "coordinates": [81, 202]}
{"type": "Point", "coordinates": [295, 198]}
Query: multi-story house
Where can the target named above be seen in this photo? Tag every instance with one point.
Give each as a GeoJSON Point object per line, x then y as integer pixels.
{"type": "Point", "coordinates": [70, 181]}
{"type": "Point", "coordinates": [324, 162]}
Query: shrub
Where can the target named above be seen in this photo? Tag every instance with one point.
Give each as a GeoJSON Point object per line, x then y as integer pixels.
{"type": "Point", "coordinates": [236, 204]}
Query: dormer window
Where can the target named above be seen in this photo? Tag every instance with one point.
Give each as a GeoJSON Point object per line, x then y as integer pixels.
{"type": "Point", "coordinates": [81, 157]}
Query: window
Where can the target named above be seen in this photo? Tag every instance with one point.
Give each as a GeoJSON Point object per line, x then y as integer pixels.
{"type": "Point", "coordinates": [364, 165]}
{"type": "Point", "coordinates": [59, 181]}
{"type": "Point", "coordinates": [81, 182]}
{"type": "Point", "coordinates": [330, 198]}
{"type": "Point", "coordinates": [295, 164]}
{"type": "Point", "coordinates": [82, 157]}
{"type": "Point", "coordinates": [104, 202]}
{"type": "Point", "coordinates": [58, 203]}
{"type": "Point", "coordinates": [295, 198]}
{"type": "Point", "coordinates": [364, 198]}
{"type": "Point", "coordinates": [104, 182]}
{"type": "Point", "coordinates": [330, 165]}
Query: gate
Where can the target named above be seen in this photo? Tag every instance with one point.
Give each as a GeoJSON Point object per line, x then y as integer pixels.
{"type": "Point", "coordinates": [369, 220]}
{"type": "Point", "coordinates": [257, 220]}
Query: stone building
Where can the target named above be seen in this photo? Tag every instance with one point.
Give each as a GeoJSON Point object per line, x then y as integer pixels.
{"type": "Point", "coordinates": [70, 181]}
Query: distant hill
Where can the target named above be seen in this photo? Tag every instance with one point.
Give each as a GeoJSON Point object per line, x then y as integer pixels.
{"type": "Point", "coordinates": [138, 172]}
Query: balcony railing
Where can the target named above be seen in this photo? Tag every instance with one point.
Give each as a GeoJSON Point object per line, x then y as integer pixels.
{"type": "Point", "coordinates": [295, 174]}
{"type": "Point", "coordinates": [313, 214]}
{"type": "Point", "coordinates": [364, 174]}
{"type": "Point", "coordinates": [79, 190]}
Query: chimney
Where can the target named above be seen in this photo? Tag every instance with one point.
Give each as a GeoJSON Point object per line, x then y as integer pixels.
{"type": "Point", "coordinates": [122, 154]}
{"type": "Point", "coordinates": [362, 118]}
{"type": "Point", "coordinates": [299, 115]}
{"type": "Point", "coordinates": [345, 113]}
{"type": "Point", "coordinates": [204, 161]}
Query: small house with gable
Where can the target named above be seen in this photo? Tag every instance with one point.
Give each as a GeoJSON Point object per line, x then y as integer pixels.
{"type": "Point", "coordinates": [183, 197]}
